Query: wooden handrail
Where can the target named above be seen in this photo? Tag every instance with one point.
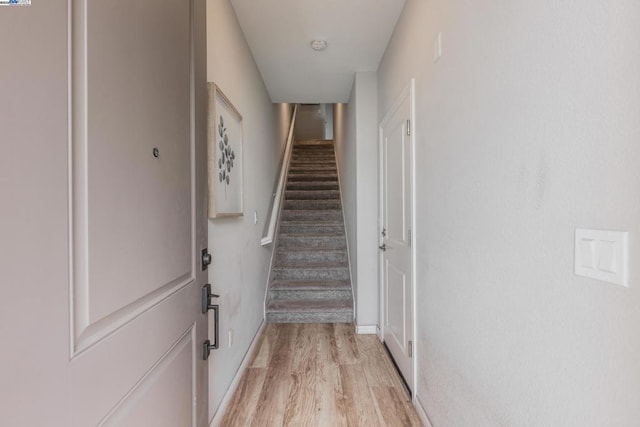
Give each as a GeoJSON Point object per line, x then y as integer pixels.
{"type": "Point", "coordinates": [278, 195]}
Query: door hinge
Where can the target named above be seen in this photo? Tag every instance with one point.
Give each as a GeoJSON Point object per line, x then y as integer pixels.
{"type": "Point", "coordinates": [410, 349]}
{"type": "Point", "coordinates": [409, 237]}
{"type": "Point", "coordinates": [409, 127]}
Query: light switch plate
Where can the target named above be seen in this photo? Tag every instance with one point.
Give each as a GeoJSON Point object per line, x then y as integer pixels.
{"type": "Point", "coordinates": [602, 255]}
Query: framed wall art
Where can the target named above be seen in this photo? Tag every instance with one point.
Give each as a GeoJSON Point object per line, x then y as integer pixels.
{"type": "Point", "coordinates": [224, 155]}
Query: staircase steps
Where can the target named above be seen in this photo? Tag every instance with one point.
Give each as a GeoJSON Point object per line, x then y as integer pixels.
{"type": "Point", "coordinates": [310, 277]}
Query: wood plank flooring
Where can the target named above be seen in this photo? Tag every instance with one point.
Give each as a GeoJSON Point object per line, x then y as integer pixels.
{"type": "Point", "coordinates": [321, 375]}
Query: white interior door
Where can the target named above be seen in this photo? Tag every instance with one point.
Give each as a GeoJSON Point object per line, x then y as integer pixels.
{"type": "Point", "coordinates": [109, 149]}
{"type": "Point", "coordinates": [396, 219]}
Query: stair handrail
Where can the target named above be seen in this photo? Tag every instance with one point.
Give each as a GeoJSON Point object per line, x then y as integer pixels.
{"type": "Point", "coordinates": [278, 195]}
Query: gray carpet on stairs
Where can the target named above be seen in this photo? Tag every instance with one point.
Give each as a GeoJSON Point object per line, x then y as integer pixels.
{"type": "Point", "coordinates": [310, 279]}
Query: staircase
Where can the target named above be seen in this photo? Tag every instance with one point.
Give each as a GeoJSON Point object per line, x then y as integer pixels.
{"type": "Point", "coordinates": [310, 279]}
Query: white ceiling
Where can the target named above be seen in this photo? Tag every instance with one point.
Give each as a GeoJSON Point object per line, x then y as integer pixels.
{"type": "Point", "coordinates": [279, 33]}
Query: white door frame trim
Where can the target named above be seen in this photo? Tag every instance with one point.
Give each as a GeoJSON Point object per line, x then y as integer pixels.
{"type": "Point", "coordinates": [408, 90]}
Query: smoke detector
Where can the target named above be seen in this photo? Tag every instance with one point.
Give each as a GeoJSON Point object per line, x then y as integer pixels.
{"type": "Point", "coordinates": [318, 45]}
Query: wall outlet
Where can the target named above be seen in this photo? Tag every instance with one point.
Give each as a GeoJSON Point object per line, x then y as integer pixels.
{"type": "Point", "coordinates": [230, 337]}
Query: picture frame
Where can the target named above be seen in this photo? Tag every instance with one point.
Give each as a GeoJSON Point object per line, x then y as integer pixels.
{"type": "Point", "coordinates": [224, 156]}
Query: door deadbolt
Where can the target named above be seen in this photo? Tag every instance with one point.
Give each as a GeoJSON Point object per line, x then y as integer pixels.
{"type": "Point", "coordinates": [206, 258]}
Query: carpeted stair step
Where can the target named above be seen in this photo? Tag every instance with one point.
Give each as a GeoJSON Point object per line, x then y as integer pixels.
{"type": "Point", "coordinates": [308, 227]}
{"type": "Point", "coordinates": [312, 166]}
{"type": "Point", "coordinates": [312, 204]}
{"type": "Point", "coordinates": [310, 311]}
{"type": "Point", "coordinates": [311, 257]}
{"type": "Point", "coordinates": [301, 241]}
{"type": "Point", "coordinates": [313, 185]}
{"type": "Point", "coordinates": [316, 160]}
{"type": "Point", "coordinates": [298, 177]}
{"type": "Point", "coordinates": [312, 195]}
{"type": "Point", "coordinates": [309, 289]}
{"type": "Point", "coordinates": [312, 215]}
{"type": "Point", "coordinates": [306, 272]}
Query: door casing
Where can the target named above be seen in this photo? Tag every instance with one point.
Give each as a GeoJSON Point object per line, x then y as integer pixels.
{"type": "Point", "coordinates": [408, 91]}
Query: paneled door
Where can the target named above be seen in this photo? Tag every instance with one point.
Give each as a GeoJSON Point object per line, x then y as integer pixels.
{"type": "Point", "coordinates": [137, 220]}
{"type": "Point", "coordinates": [104, 144]}
{"type": "Point", "coordinates": [396, 157]}
{"type": "Point", "coordinates": [137, 214]}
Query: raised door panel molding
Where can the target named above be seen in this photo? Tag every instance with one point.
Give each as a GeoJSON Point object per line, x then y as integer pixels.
{"type": "Point", "coordinates": [165, 396]}
{"type": "Point", "coordinates": [131, 169]}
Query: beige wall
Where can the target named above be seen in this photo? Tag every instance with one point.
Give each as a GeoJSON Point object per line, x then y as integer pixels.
{"type": "Point", "coordinates": [34, 280]}
{"type": "Point", "coordinates": [526, 129]}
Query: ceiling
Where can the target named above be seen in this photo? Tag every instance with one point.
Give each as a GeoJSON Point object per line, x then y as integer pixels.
{"type": "Point", "coordinates": [279, 33]}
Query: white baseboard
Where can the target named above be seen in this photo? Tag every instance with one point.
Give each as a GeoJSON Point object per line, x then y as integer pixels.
{"type": "Point", "coordinates": [366, 329]}
{"type": "Point", "coordinates": [422, 414]}
{"type": "Point", "coordinates": [226, 400]}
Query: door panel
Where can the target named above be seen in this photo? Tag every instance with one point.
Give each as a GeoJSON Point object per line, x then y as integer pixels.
{"type": "Point", "coordinates": [136, 274]}
{"type": "Point", "coordinates": [137, 96]}
{"type": "Point", "coordinates": [171, 381]}
{"type": "Point", "coordinates": [395, 212]}
{"type": "Point", "coordinates": [396, 259]}
{"type": "Point", "coordinates": [396, 297]}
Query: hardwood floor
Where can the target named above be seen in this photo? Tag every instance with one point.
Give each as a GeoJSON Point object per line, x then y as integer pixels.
{"type": "Point", "coordinates": [319, 375]}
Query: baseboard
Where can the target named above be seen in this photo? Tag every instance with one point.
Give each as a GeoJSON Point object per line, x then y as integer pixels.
{"type": "Point", "coordinates": [226, 400]}
{"type": "Point", "coordinates": [366, 329]}
{"type": "Point", "coordinates": [422, 413]}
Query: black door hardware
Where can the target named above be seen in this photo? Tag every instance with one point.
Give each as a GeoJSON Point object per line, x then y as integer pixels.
{"type": "Point", "coordinates": [206, 306]}
{"type": "Point", "coordinates": [206, 258]}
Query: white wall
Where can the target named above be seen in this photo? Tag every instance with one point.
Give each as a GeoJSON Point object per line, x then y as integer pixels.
{"type": "Point", "coordinates": [367, 182]}
{"type": "Point", "coordinates": [358, 162]}
{"type": "Point", "coordinates": [328, 120]}
{"type": "Point", "coordinates": [283, 113]}
{"type": "Point", "coordinates": [240, 265]}
{"type": "Point", "coordinates": [344, 116]}
{"type": "Point", "coordinates": [309, 122]}
{"type": "Point", "coordinates": [526, 128]}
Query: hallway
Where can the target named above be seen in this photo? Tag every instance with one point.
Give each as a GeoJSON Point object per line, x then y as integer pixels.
{"type": "Point", "coordinates": [319, 375]}
{"type": "Point", "coordinates": [524, 283]}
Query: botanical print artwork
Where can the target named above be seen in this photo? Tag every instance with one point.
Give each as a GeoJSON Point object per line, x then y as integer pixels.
{"type": "Point", "coordinates": [227, 156]}
{"type": "Point", "coordinates": [224, 162]}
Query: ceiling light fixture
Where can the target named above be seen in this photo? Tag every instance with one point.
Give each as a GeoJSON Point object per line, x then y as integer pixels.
{"type": "Point", "coordinates": [318, 45]}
